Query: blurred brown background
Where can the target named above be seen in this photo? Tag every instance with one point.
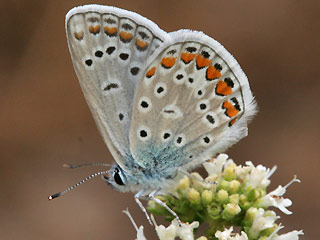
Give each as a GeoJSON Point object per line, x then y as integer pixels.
{"type": "Point", "coordinates": [45, 121]}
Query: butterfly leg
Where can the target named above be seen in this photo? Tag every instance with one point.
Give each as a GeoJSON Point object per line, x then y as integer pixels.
{"type": "Point", "coordinates": [158, 201]}
{"type": "Point", "coordinates": [136, 197]}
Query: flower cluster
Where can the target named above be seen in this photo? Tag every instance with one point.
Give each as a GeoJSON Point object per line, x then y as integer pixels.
{"type": "Point", "coordinates": [230, 196]}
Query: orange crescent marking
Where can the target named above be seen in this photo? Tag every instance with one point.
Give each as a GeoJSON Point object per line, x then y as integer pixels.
{"type": "Point", "coordinates": [187, 57]}
{"type": "Point", "coordinates": [110, 30]}
{"type": "Point", "coordinates": [95, 29]}
{"type": "Point", "coordinates": [202, 62]}
{"type": "Point", "coordinates": [151, 72]}
{"type": "Point", "coordinates": [223, 88]}
{"type": "Point", "coordinates": [213, 73]}
{"type": "Point", "coordinates": [231, 111]}
{"type": "Point", "coordinates": [126, 36]}
{"type": "Point", "coordinates": [142, 44]}
{"type": "Point", "coordinates": [232, 122]}
{"type": "Point", "coordinates": [168, 62]}
{"type": "Point", "coordinates": [78, 36]}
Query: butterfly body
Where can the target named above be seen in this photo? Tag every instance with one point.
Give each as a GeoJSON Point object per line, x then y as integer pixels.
{"type": "Point", "coordinates": [163, 102]}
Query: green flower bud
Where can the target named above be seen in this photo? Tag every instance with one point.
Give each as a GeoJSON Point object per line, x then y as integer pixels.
{"type": "Point", "coordinates": [229, 172]}
{"type": "Point", "coordinates": [206, 197]}
{"type": "Point", "coordinates": [253, 194]}
{"type": "Point", "coordinates": [193, 196]}
{"type": "Point", "coordinates": [202, 238]}
{"type": "Point", "coordinates": [263, 238]}
{"type": "Point", "coordinates": [223, 184]}
{"type": "Point", "coordinates": [214, 211]}
{"type": "Point", "coordinates": [244, 201]}
{"type": "Point", "coordinates": [234, 186]}
{"type": "Point", "coordinates": [222, 195]}
{"type": "Point", "coordinates": [184, 184]}
{"type": "Point", "coordinates": [156, 209]}
{"type": "Point", "coordinates": [152, 204]}
{"type": "Point", "coordinates": [230, 210]}
{"type": "Point", "coordinates": [197, 181]}
{"type": "Point", "coordinates": [250, 214]}
{"type": "Point", "coordinates": [234, 198]}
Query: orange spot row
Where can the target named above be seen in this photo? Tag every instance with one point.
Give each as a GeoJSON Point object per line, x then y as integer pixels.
{"type": "Point", "coordinates": [111, 31]}
{"type": "Point", "coordinates": [168, 62]}
{"type": "Point", "coordinates": [231, 110]}
{"type": "Point", "coordinates": [151, 72]}
{"type": "Point", "coordinates": [125, 37]}
{"type": "Point", "coordinates": [232, 122]}
{"type": "Point", "coordinates": [94, 29]}
{"type": "Point", "coordinates": [141, 45]}
{"type": "Point", "coordinates": [212, 73]}
{"type": "Point", "coordinates": [187, 57]}
{"type": "Point", "coordinates": [78, 36]}
{"type": "Point", "coordinates": [202, 61]}
{"type": "Point", "coordinates": [223, 89]}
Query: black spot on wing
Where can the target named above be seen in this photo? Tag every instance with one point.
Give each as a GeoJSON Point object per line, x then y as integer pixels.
{"type": "Point", "coordinates": [89, 62]}
{"type": "Point", "coordinates": [127, 26]}
{"type": "Point", "coordinates": [124, 56]}
{"type": "Point", "coordinates": [98, 54]}
{"type": "Point", "coordinates": [110, 21]}
{"type": "Point", "coordinates": [93, 19]}
{"type": "Point", "coordinates": [110, 50]}
{"type": "Point", "coordinates": [135, 70]}
{"type": "Point", "coordinates": [111, 86]}
{"type": "Point", "coordinates": [191, 49]}
{"type": "Point", "coordinates": [143, 35]}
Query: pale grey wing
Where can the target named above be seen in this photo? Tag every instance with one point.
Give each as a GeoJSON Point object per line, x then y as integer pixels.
{"type": "Point", "coordinates": [109, 49]}
{"type": "Point", "coordinates": [193, 102]}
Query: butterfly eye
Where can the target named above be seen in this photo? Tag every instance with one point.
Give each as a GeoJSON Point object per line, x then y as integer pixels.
{"type": "Point", "coordinates": [117, 178]}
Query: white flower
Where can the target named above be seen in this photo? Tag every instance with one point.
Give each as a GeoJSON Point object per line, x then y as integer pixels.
{"type": "Point", "coordinates": [214, 168]}
{"type": "Point", "coordinates": [185, 231]}
{"type": "Point", "coordinates": [258, 177]}
{"type": "Point", "coordinates": [140, 235]}
{"type": "Point", "coordinates": [294, 235]}
{"type": "Point", "coordinates": [274, 198]}
{"type": "Point", "coordinates": [226, 235]}
{"type": "Point", "coordinates": [262, 220]}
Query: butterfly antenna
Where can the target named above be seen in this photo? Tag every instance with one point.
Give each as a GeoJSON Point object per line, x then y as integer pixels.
{"type": "Point", "coordinates": [98, 164]}
{"type": "Point", "coordinates": [77, 184]}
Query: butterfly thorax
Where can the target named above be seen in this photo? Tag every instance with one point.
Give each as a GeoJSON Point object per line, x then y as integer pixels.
{"type": "Point", "coordinates": [149, 177]}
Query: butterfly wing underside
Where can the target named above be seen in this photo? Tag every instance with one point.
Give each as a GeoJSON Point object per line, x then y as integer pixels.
{"type": "Point", "coordinates": [193, 102]}
{"type": "Point", "coordinates": [109, 48]}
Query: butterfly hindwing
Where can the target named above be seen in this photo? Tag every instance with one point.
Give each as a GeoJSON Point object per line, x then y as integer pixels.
{"type": "Point", "coordinates": [109, 49]}
{"type": "Point", "coordinates": [192, 102]}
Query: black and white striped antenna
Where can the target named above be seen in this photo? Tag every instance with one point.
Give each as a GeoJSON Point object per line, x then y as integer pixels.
{"type": "Point", "coordinates": [83, 180]}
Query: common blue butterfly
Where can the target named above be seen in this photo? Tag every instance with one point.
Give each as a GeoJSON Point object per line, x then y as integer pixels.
{"type": "Point", "coordinates": [163, 102]}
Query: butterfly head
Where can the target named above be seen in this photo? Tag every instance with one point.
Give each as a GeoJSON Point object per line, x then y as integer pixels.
{"type": "Point", "coordinates": [117, 178]}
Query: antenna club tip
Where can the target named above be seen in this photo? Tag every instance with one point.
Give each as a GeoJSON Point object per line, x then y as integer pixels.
{"type": "Point", "coordinates": [67, 165]}
{"type": "Point", "coordinates": [54, 196]}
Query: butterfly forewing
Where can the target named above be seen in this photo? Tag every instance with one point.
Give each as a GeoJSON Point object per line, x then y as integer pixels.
{"type": "Point", "coordinates": [109, 49]}
{"type": "Point", "coordinates": [193, 102]}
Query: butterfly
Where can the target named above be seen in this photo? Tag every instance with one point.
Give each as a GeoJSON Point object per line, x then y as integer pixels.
{"type": "Point", "coordinates": [163, 102]}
